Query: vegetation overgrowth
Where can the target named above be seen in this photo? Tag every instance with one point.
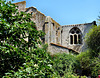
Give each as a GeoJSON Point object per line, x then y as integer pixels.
{"type": "Point", "coordinates": [20, 56]}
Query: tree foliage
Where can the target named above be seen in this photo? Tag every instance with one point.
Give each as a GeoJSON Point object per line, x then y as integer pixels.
{"type": "Point", "coordinates": [20, 56]}
{"type": "Point", "coordinates": [90, 65]}
{"type": "Point", "coordinates": [15, 28]}
{"type": "Point", "coordinates": [90, 60]}
{"type": "Point", "coordinates": [38, 64]}
{"type": "Point", "coordinates": [64, 64]}
{"type": "Point", "coordinates": [93, 39]}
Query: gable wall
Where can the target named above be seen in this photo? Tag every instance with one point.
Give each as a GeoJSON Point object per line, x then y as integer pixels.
{"type": "Point", "coordinates": [21, 5]}
{"type": "Point", "coordinates": [84, 28]}
{"type": "Point", "coordinates": [37, 17]}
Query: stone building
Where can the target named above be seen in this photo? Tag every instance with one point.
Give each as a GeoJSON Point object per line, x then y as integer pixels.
{"type": "Point", "coordinates": [59, 38]}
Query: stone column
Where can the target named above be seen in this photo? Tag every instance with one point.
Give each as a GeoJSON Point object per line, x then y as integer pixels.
{"type": "Point", "coordinates": [77, 39]}
{"type": "Point", "coordinates": [73, 39]}
{"type": "Point", "coordinates": [47, 33]}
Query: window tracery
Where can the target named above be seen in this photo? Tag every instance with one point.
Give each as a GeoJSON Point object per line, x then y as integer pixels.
{"type": "Point", "coordinates": [75, 36]}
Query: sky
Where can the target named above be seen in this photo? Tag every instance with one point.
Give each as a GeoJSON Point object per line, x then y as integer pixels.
{"type": "Point", "coordinates": [67, 12]}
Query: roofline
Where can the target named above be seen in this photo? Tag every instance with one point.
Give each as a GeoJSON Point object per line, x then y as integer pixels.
{"type": "Point", "coordinates": [55, 21]}
{"type": "Point", "coordinates": [30, 8]}
{"type": "Point", "coordinates": [34, 8]}
{"type": "Point", "coordinates": [20, 2]}
{"type": "Point", "coordinates": [78, 24]}
{"type": "Point", "coordinates": [64, 47]}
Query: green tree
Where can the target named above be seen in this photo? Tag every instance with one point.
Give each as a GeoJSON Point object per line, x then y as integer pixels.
{"type": "Point", "coordinates": [89, 60]}
{"type": "Point", "coordinates": [15, 28]}
{"type": "Point", "coordinates": [93, 40]}
{"type": "Point", "coordinates": [38, 64]}
{"type": "Point", "coordinates": [85, 60]}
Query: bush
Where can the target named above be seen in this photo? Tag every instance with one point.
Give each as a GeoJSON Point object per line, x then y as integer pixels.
{"type": "Point", "coordinates": [93, 39]}
{"type": "Point", "coordinates": [88, 63]}
{"type": "Point", "coordinates": [85, 62]}
{"type": "Point", "coordinates": [73, 76]}
{"type": "Point", "coordinates": [38, 65]}
{"type": "Point", "coordinates": [64, 63]}
{"type": "Point", "coordinates": [95, 67]}
{"type": "Point", "coordinates": [11, 58]}
{"type": "Point", "coordinates": [93, 43]}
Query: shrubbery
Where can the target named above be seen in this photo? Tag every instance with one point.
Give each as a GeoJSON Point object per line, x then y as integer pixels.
{"type": "Point", "coordinates": [64, 64]}
{"type": "Point", "coordinates": [38, 63]}
{"type": "Point", "coordinates": [23, 59]}
{"type": "Point", "coordinates": [93, 43]}
{"type": "Point", "coordinates": [93, 40]}
{"type": "Point", "coordinates": [88, 63]}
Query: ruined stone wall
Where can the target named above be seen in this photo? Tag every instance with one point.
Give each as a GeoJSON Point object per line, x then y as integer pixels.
{"type": "Point", "coordinates": [21, 5]}
{"type": "Point", "coordinates": [53, 31]}
{"type": "Point", "coordinates": [54, 49]}
{"type": "Point", "coordinates": [45, 23]}
{"type": "Point", "coordinates": [84, 28]}
{"type": "Point", "coordinates": [37, 17]}
{"type": "Point", "coordinates": [56, 32]}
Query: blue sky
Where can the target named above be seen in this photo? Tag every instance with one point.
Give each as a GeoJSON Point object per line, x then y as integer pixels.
{"type": "Point", "coordinates": [67, 12]}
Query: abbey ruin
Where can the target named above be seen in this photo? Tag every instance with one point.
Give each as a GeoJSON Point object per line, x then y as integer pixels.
{"type": "Point", "coordinates": [59, 38]}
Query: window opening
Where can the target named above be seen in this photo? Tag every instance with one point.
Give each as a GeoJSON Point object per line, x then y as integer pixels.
{"type": "Point", "coordinates": [71, 39]}
{"type": "Point", "coordinates": [75, 39]}
{"type": "Point", "coordinates": [75, 36]}
{"type": "Point", "coordinates": [79, 36]}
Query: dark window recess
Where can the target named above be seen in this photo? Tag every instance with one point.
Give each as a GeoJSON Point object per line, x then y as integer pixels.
{"type": "Point", "coordinates": [75, 39]}
{"type": "Point", "coordinates": [77, 32]}
{"type": "Point", "coordinates": [79, 39]}
{"type": "Point", "coordinates": [44, 27]}
{"type": "Point", "coordinates": [56, 33]}
{"type": "Point", "coordinates": [31, 13]}
{"type": "Point", "coordinates": [43, 40]}
{"type": "Point", "coordinates": [46, 22]}
{"type": "Point", "coordinates": [71, 39]}
{"type": "Point", "coordinates": [72, 32]}
{"type": "Point", "coordinates": [53, 24]}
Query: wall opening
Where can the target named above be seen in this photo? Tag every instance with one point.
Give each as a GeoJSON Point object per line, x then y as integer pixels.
{"type": "Point", "coordinates": [75, 36]}
{"type": "Point", "coordinates": [75, 39]}
{"type": "Point", "coordinates": [71, 39]}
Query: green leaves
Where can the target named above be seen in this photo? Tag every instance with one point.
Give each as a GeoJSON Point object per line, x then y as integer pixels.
{"type": "Point", "coordinates": [93, 39]}
{"type": "Point", "coordinates": [89, 63]}
{"type": "Point", "coordinates": [64, 63]}
{"type": "Point", "coordinates": [18, 35]}
{"type": "Point", "coordinates": [35, 66]}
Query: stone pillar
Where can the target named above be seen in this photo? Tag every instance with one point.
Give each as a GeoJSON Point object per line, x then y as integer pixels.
{"type": "Point", "coordinates": [48, 30]}
{"type": "Point", "coordinates": [47, 33]}
{"type": "Point", "coordinates": [53, 33]}
{"type": "Point", "coordinates": [77, 39]}
{"type": "Point", "coordinates": [73, 39]}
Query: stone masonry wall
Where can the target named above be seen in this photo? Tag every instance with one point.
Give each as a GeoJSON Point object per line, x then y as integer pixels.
{"type": "Point", "coordinates": [55, 33]}
{"type": "Point", "coordinates": [37, 17]}
{"type": "Point", "coordinates": [21, 5]}
{"type": "Point", "coordinates": [84, 28]}
{"type": "Point", "coordinates": [53, 49]}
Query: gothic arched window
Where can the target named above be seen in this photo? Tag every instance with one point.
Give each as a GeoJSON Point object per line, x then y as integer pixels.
{"type": "Point", "coordinates": [75, 36]}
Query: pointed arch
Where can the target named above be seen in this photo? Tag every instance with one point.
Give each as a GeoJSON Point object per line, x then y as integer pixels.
{"type": "Point", "coordinates": [75, 36]}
